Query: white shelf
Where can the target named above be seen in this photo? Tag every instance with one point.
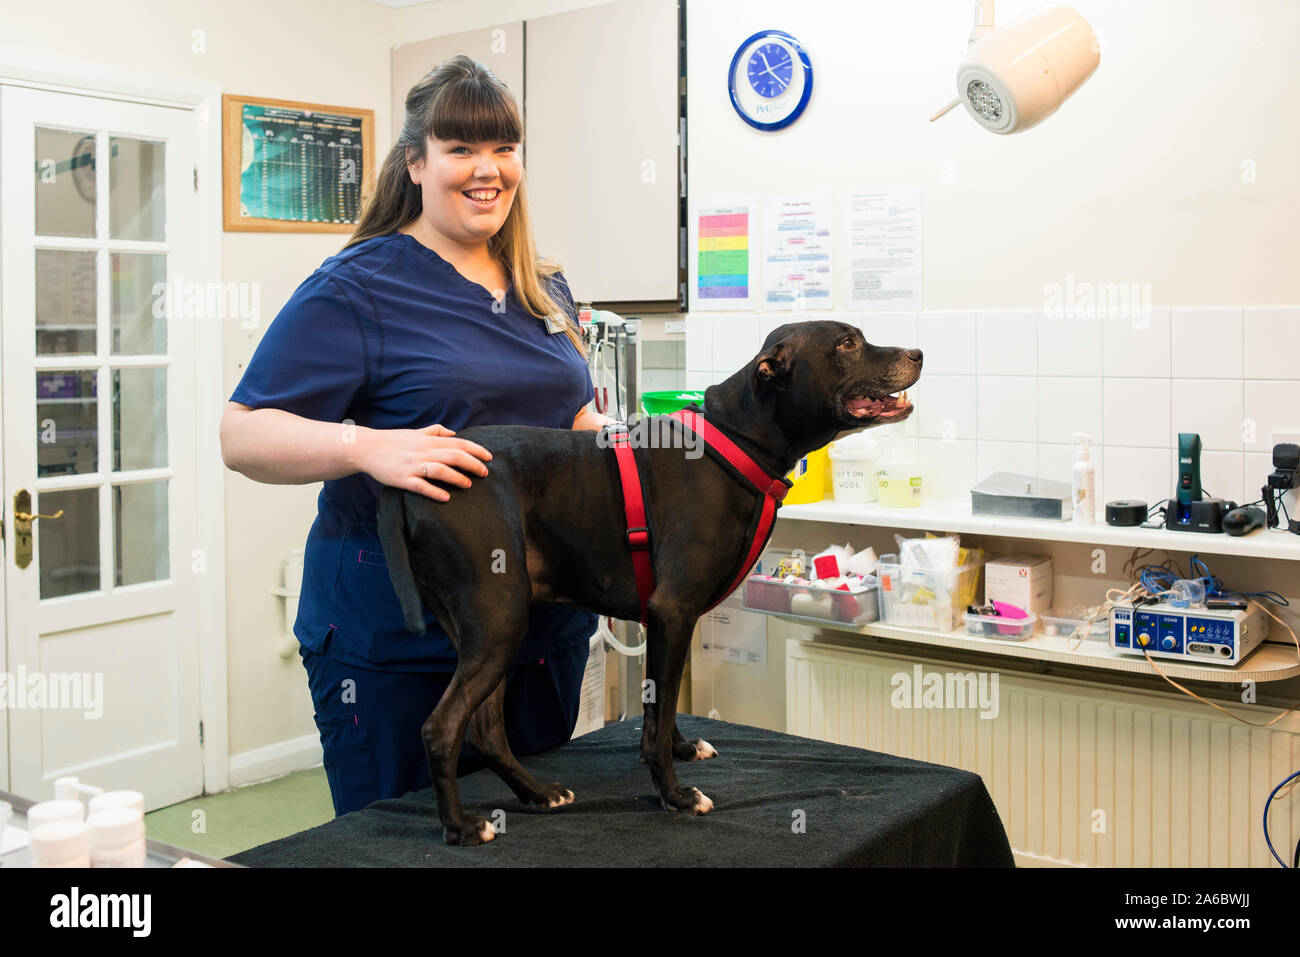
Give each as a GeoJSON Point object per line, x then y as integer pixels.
{"type": "Point", "coordinates": [956, 517]}
{"type": "Point", "coordinates": [1268, 662]}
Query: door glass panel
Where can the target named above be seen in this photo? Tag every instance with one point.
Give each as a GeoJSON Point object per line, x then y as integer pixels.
{"type": "Point", "coordinates": [139, 418]}
{"type": "Point", "coordinates": [67, 423]}
{"type": "Point", "coordinates": [139, 325]}
{"type": "Point", "coordinates": [140, 532]}
{"type": "Point", "coordinates": [136, 200]}
{"type": "Point", "coordinates": [65, 302]}
{"type": "Point", "coordinates": [65, 183]}
{"type": "Point", "coordinates": [68, 546]}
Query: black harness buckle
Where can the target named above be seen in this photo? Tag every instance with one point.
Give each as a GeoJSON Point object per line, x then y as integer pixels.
{"type": "Point", "coordinates": [644, 538]}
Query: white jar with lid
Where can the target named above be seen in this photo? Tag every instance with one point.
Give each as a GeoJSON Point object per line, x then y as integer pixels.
{"type": "Point", "coordinates": [116, 838]}
{"type": "Point", "coordinates": [47, 812]}
{"type": "Point", "coordinates": [853, 468]}
{"type": "Point", "coordinates": [59, 844]}
{"type": "Point", "coordinates": [112, 799]}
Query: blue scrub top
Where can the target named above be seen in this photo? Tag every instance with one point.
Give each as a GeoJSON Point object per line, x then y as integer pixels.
{"type": "Point", "coordinates": [389, 335]}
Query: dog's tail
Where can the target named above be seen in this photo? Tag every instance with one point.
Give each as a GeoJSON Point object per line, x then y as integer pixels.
{"type": "Point", "coordinates": [392, 533]}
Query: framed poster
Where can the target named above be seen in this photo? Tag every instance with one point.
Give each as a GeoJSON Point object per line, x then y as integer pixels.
{"type": "Point", "coordinates": [295, 167]}
{"type": "Point", "coordinates": [723, 254]}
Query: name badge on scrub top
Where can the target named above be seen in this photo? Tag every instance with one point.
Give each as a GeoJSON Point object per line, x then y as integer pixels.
{"type": "Point", "coordinates": [554, 324]}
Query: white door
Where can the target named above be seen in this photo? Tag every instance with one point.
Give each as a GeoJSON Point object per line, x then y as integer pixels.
{"type": "Point", "coordinates": [97, 221]}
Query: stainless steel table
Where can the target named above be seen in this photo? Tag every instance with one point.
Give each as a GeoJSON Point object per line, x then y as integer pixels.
{"type": "Point", "coordinates": [158, 854]}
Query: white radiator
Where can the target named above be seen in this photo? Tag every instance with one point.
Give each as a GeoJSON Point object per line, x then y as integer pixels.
{"type": "Point", "coordinates": [1080, 774]}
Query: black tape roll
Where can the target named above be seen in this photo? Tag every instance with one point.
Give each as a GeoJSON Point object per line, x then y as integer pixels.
{"type": "Point", "coordinates": [1126, 512]}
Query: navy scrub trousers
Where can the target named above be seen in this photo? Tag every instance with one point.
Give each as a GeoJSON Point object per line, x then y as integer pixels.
{"type": "Point", "coordinates": [388, 335]}
{"type": "Point", "coordinates": [370, 721]}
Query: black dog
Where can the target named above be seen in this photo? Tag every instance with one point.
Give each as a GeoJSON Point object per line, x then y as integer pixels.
{"type": "Point", "coordinates": [547, 525]}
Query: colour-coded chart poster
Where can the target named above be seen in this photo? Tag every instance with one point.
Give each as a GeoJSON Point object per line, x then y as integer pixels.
{"type": "Point", "coordinates": [722, 261]}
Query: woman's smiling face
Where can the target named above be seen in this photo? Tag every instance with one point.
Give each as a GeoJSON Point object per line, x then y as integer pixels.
{"type": "Point", "coordinates": [467, 188]}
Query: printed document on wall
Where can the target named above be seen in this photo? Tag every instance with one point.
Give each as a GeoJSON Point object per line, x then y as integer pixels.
{"type": "Point", "coordinates": [884, 228]}
{"type": "Point", "coordinates": [797, 252]}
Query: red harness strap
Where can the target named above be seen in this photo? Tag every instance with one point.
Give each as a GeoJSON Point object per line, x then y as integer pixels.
{"type": "Point", "coordinates": [771, 490]}
{"type": "Point", "coordinates": [638, 532]}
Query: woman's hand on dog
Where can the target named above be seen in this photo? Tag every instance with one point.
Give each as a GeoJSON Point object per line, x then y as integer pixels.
{"type": "Point", "coordinates": [404, 458]}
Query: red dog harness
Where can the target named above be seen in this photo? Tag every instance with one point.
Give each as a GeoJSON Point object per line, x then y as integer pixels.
{"type": "Point", "coordinates": [770, 491]}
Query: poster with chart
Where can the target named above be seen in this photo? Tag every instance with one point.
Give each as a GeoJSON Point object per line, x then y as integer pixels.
{"type": "Point", "coordinates": [884, 248]}
{"type": "Point", "coordinates": [294, 167]}
{"type": "Point", "coordinates": [722, 256]}
{"type": "Point", "coordinates": [797, 252]}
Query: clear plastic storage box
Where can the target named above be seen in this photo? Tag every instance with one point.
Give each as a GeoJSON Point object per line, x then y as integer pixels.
{"type": "Point", "coordinates": [1000, 626]}
{"type": "Point", "coordinates": [1062, 622]}
{"type": "Point", "coordinates": [764, 592]}
{"type": "Point", "coordinates": [926, 598]}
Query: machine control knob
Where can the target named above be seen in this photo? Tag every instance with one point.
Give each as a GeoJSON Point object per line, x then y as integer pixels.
{"type": "Point", "coordinates": [1169, 643]}
{"type": "Point", "coordinates": [1144, 639]}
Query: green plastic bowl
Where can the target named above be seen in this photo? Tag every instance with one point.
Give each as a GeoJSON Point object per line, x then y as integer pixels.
{"type": "Point", "coordinates": [670, 400]}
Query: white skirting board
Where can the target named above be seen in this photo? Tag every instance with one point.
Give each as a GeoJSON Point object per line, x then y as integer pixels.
{"type": "Point", "coordinates": [276, 760]}
{"type": "Point", "coordinates": [1080, 773]}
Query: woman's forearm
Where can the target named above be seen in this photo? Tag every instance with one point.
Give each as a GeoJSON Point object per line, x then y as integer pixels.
{"type": "Point", "coordinates": [590, 420]}
{"type": "Point", "coordinates": [279, 448]}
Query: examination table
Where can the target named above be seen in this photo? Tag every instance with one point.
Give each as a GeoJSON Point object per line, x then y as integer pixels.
{"type": "Point", "coordinates": [780, 801]}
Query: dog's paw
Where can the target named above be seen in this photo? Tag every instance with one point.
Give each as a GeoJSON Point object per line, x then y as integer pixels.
{"type": "Point", "coordinates": [474, 831]}
{"type": "Point", "coordinates": [703, 750]}
{"type": "Point", "coordinates": [690, 800]}
{"type": "Point", "coordinates": [552, 795]}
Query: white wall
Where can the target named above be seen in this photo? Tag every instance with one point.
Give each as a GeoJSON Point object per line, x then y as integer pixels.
{"type": "Point", "coordinates": [1137, 179]}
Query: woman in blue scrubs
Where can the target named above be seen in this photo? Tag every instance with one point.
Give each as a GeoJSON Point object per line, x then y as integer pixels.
{"type": "Point", "coordinates": [436, 316]}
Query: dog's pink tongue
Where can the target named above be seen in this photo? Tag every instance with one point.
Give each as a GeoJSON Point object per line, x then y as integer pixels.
{"type": "Point", "coordinates": [861, 406]}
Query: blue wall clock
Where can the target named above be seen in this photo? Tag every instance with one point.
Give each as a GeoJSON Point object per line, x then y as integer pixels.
{"type": "Point", "coordinates": [770, 80]}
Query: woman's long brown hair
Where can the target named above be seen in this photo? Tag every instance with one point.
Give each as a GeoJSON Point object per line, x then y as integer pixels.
{"type": "Point", "coordinates": [461, 99]}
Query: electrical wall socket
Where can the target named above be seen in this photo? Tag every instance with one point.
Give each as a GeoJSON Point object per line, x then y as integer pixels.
{"type": "Point", "coordinates": [675, 325]}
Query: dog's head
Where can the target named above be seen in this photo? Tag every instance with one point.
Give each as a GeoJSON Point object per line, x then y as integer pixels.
{"type": "Point", "coordinates": [827, 374]}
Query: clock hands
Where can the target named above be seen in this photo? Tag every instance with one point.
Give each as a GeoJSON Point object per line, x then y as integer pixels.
{"type": "Point", "coordinates": [768, 68]}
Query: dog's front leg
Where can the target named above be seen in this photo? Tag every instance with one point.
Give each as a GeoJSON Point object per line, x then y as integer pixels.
{"type": "Point", "coordinates": [668, 640]}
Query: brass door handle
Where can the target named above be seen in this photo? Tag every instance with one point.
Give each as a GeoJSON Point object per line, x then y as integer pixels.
{"type": "Point", "coordinates": [24, 517]}
{"type": "Point", "coordinates": [23, 527]}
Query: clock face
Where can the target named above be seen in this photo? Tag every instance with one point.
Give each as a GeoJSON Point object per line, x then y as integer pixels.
{"type": "Point", "coordinates": [770, 80]}
{"type": "Point", "coordinates": [771, 67]}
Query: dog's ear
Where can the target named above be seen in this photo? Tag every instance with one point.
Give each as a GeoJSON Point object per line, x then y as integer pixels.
{"type": "Point", "coordinates": [772, 368]}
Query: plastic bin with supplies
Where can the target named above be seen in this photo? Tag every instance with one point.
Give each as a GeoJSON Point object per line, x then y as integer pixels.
{"type": "Point", "coordinates": [764, 593]}
{"type": "Point", "coordinates": [1063, 622]}
{"type": "Point", "coordinates": [933, 599]}
{"type": "Point", "coordinates": [1000, 626]}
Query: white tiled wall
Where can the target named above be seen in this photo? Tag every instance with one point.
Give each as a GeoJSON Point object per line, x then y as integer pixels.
{"type": "Point", "coordinates": [1004, 389]}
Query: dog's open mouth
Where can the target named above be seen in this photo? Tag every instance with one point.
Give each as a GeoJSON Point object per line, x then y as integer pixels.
{"type": "Point", "coordinates": [870, 407]}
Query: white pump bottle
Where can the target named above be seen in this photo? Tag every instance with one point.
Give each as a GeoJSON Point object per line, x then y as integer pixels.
{"type": "Point", "coordinates": [1084, 481]}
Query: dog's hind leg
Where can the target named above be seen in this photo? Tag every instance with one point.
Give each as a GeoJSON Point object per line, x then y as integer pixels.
{"type": "Point", "coordinates": [487, 732]}
{"type": "Point", "coordinates": [487, 637]}
{"type": "Point", "coordinates": [668, 640]}
{"type": "Point", "coordinates": [696, 750]}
